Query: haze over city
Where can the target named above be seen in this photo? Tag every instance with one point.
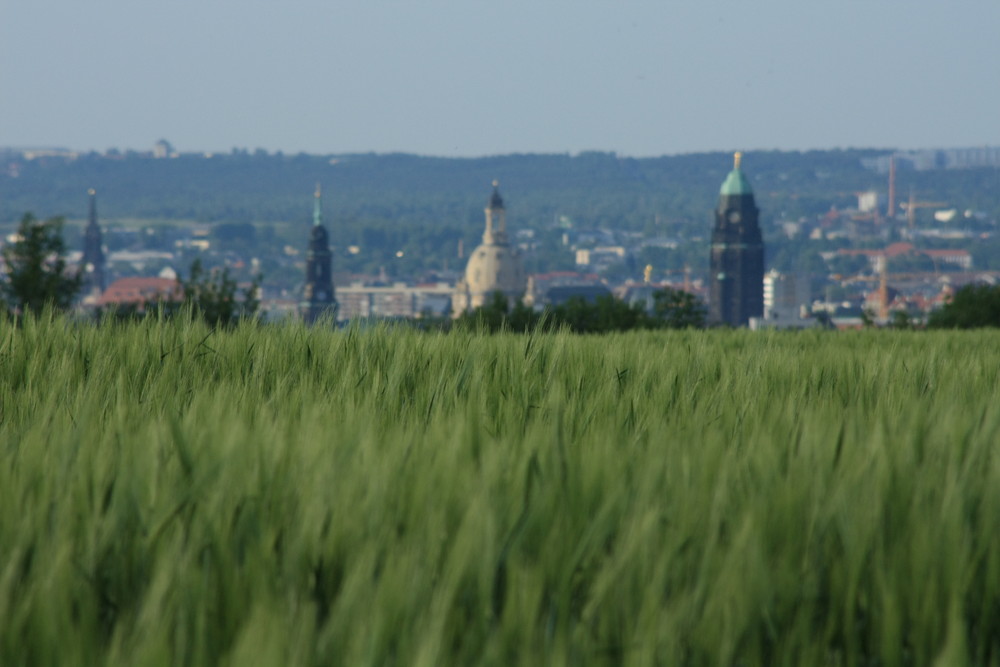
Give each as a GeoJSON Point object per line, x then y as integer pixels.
{"type": "Point", "coordinates": [465, 79]}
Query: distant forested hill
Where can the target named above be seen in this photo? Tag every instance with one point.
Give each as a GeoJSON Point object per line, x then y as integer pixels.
{"type": "Point", "coordinates": [590, 188]}
{"type": "Point", "coordinates": [424, 205]}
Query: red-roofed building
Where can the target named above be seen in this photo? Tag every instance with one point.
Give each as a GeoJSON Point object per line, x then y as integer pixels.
{"type": "Point", "coordinates": [138, 291]}
{"type": "Point", "coordinates": [897, 249]}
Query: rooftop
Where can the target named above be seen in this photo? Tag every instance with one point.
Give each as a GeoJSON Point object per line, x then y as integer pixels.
{"type": "Point", "coordinates": [736, 183]}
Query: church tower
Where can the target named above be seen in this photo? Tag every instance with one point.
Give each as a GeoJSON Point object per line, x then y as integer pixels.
{"type": "Point", "coordinates": [494, 266]}
{"type": "Point", "coordinates": [318, 297]}
{"type": "Point", "coordinates": [737, 262]}
{"type": "Point", "coordinates": [94, 280]}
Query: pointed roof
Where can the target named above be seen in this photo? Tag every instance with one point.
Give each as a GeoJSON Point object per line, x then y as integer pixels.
{"type": "Point", "coordinates": [496, 226]}
{"type": "Point", "coordinates": [93, 206]}
{"type": "Point", "coordinates": [495, 200]}
{"type": "Point", "coordinates": [317, 213]}
{"type": "Point", "coordinates": [736, 182]}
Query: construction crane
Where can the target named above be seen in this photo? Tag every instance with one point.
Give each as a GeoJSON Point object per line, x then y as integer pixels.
{"type": "Point", "coordinates": [891, 211]}
{"type": "Point", "coordinates": [911, 207]}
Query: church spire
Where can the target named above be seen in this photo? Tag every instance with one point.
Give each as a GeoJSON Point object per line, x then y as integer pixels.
{"type": "Point", "coordinates": [317, 207]}
{"type": "Point", "coordinates": [496, 218]}
{"type": "Point", "coordinates": [93, 253]}
{"type": "Point", "coordinates": [318, 293]}
{"type": "Point", "coordinates": [495, 200]}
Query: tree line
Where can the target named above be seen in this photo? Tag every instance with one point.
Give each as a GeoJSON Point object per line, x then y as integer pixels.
{"type": "Point", "coordinates": [672, 309]}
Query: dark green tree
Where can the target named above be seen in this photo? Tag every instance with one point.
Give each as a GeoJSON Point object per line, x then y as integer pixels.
{"type": "Point", "coordinates": [673, 309]}
{"type": "Point", "coordinates": [677, 309]}
{"type": "Point", "coordinates": [497, 315]}
{"type": "Point", "coordinates": [603, 315]}
{"type": "Point", "coordinates": [37, 272]}
{"type": "Point", "coordinates": [213, 296]}
{"type": "Point", "coordinates": [972, 307]}
{"type": "Point", "coordinates": [901, 320]}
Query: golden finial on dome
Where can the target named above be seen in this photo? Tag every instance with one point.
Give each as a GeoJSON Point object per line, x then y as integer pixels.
{"type": "Point", "coordinates": [91, 192]}
{"type": "Point", "coordinates": [496, 183]}
{"type": "Point", "coordinates": [737, 158]}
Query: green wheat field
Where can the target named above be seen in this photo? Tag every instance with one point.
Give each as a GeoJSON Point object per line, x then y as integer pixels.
{"type": "Point", "coordinates": [279, 495]}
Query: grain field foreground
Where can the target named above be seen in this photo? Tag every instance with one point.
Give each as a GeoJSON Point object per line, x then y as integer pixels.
{"type": "Point", "coordinates": [293, 496]}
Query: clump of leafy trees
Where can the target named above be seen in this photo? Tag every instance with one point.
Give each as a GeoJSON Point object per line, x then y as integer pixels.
{"type": "Point", "coordinates": [38, 276]}
{"type": "Point", "coordinates": [971, 307]}
{"type": "Point", "coordinates": [672, 309]}
{"type": "Point", "coordinates": [213, 295]}
{"type": "Point", "coordinates": [37, 272]}
{"type": "Point", "coordinates": [210, 295]}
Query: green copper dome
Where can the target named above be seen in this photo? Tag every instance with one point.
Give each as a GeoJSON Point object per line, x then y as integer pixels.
{"type": "Point", "coordinates": [736, 183]}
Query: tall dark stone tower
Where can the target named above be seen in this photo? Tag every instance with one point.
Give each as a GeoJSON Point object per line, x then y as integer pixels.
{"type": "Point", "coordinates": [737, 288]}
{"type": "Point", "coordinates": [318, 297]}
{"type": "Point", "coordinates": [92, 265]}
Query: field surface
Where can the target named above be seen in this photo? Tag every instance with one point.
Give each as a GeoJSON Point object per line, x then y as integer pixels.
{"type": "Point", "coordinates": [287, 496]}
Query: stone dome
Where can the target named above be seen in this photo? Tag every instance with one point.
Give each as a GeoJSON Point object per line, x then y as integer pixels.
{"type": "Point", "coordinates": [494, 266]}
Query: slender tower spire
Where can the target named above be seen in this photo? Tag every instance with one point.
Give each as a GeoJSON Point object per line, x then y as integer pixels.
{"type": "Point", "coordinates": [318, 296]}
{"type": "Point", "coordinates": [317, 207]}
{"type": "Point", "coordinates": [496, 218]}
{"type": "Point", "coordinates": [93, 254]}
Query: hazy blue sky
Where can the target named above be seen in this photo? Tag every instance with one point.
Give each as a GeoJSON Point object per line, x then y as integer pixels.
{"type": "Point", "coordinates": [452, 78]}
